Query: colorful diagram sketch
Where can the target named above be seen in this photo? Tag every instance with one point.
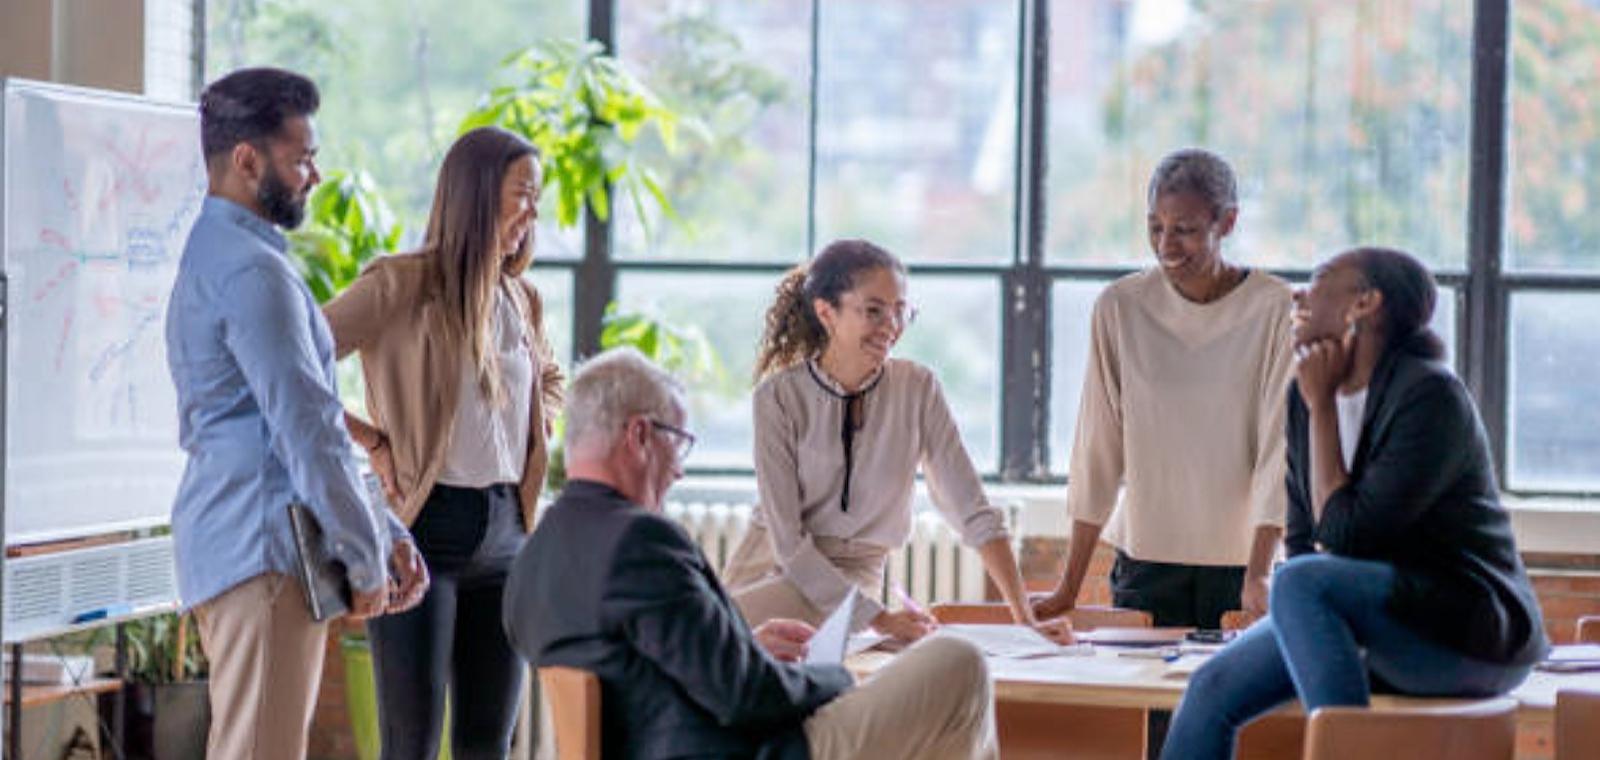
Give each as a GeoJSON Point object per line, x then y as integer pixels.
{"type": "Point", "coordinates": [100, 191]}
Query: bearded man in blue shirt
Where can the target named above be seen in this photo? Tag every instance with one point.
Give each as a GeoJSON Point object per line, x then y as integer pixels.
{"type": "Point", "coordinates": [261, 423]}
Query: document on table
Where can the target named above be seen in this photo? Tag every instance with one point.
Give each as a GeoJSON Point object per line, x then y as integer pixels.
{"type": "Point", "coordinates": [1013, 641]}
{"type": "Point", "coordinates": [827, 645]}
{"type": "Point", "coordinates": [1571, 658]}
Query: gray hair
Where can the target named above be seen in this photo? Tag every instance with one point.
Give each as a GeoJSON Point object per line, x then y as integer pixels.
{"type": "Point", "coordinates": [611, 387]}
{"type": "Point", "coordinates": [1197, 171]}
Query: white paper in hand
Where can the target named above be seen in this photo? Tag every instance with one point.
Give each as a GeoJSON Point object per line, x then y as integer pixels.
{"type": "Point", "coordinates": [827, 646]}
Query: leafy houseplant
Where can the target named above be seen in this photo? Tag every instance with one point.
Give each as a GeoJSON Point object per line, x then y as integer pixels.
{"type": "Point", "coordinates": [585, 112]}
{"type": "Point", "coordinates": [348, 224]}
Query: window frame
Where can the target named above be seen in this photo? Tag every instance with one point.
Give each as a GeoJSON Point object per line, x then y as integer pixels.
{"type": "Point", "coordinates": [1483, 289]}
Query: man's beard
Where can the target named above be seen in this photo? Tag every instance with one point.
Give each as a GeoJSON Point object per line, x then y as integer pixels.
{"type": "Point", "coordinates": [278, 202]}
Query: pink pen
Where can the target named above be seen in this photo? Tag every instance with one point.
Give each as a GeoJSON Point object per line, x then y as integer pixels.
{"type": "Point", "coordinates": [906, 600]}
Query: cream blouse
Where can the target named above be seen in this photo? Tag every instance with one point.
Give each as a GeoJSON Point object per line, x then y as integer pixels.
{"type": "Point", "coordinates": [905, 424]}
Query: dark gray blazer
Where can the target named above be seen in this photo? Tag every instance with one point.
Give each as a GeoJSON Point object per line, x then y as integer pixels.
{"type": "Point", "coordinates": [608, 587]}
{"type": "Point", "coordinates": [1422, 497]}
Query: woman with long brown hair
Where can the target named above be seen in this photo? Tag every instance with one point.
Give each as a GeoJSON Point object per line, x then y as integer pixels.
{"type": "Point", "coordinates": [841, 430]}
{"type": "Point", "coordinates": [462, 387]}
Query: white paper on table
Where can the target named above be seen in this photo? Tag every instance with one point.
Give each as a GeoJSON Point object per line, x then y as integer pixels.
{"type": "Point", "coordinates": [1014, 641]}
{"type": "Point", "coordinates": [861, 641]}
{"type": "Point", "coordinates": [827, 645]}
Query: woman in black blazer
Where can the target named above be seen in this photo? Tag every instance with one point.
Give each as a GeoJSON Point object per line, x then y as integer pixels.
{"type": "Point", "coordinates": [1402, 567]}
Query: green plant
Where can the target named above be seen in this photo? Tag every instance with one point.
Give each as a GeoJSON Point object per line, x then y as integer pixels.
{"type": "Point", "coordinates": [348, 223]}
{"type": "Point", "coordinates": [684, 351]}
{"type": "Point", "coordinates": [585, 112]}
{"type": "Point", "coordinates": [165, 649]}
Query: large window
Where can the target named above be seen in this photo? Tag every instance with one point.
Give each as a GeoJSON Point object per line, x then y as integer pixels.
{"type": "Point", "coordinates": [1001, 148]}
{"type": "Point", "coordinates": [1553, 248]}
{"type": "Point", "coordinates": [1347, 121]}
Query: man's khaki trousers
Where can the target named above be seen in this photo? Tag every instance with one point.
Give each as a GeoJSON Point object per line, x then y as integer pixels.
{"type": "Point", "coordinates": [266, 666]}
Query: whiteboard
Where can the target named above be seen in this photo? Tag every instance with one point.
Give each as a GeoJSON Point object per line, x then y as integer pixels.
{"type": "Point", "coordinates": [100, 190]}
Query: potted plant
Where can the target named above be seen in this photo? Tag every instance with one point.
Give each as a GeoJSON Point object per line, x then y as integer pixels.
{"type": "Point", "coordinates": [169, 705]}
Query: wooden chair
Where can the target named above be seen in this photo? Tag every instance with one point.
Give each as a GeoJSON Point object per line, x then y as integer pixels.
{"type": "Point", "coordinates": [1589, 629]}
{"type": "Point", "coordinates": [574, 698]}
{"type": "Point", "coordinates": [1083, 618]}
{"type": "Point", "coordinates": [1477, 730]}
{"type": "Point", "coordinates": [1577, 725]}
{"type": "Point", "coordinates": [1031, 730]}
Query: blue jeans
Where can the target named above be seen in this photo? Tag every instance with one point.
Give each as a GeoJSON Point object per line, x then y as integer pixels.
{"type": "Point", "coordinates": [454, 639]}
{"type": "Point", "coordinates": [1326, 632]}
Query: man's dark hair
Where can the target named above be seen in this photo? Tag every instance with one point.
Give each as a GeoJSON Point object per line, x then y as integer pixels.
{"type": "Point", "coordinates": [250, 105]}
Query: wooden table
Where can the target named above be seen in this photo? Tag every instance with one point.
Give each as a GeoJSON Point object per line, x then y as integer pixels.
{"type": "Point", "coordinates": [1095, 707]}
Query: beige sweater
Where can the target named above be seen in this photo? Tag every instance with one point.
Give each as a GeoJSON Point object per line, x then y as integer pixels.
{"type": "Point", "coordinates": [1183, 408]}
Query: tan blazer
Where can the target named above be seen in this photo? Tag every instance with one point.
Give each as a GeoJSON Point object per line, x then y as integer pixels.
{"type": "Point", "coordinates": [394, 316]}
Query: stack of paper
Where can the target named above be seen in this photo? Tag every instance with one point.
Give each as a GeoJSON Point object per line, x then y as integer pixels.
{"type": "Point", "coordinates": [1572, 658]}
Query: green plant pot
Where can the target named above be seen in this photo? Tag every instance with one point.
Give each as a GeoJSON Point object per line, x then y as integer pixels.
{"type": "Point", "coordinates": [361, 700]}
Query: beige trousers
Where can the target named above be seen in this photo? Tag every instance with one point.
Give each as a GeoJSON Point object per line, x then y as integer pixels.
{"type": "Point", "coordinates": [933, 701]}
{"type": "Point", "coordinates": [266, 666]}
{"type": "Point", "coordinates": [762, 592]}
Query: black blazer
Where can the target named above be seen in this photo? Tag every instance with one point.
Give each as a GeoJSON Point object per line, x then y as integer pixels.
{"type": "Point", "coordinates": [1422, 496]}
{"type": "Point", "coordinates": [608, 587]}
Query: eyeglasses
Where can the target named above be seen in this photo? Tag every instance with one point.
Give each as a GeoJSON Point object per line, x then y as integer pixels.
{"type": "Point", "coordinates": [684, 439]}
{"type": "Point", "coordinates": [902, 315]}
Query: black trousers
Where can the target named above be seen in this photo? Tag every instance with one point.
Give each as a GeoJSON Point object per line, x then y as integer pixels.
{"type": "Point", "coordinates": [1175, 595]}
{"type": "Point", "coordinates": [454, 639]}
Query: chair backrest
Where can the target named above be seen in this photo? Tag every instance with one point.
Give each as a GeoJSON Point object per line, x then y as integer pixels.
{"type": "Point", "coordinates": [574, 698]}
{"type": "Point", "coordinates": [1083, 618]}
{"type": "Point", "coordinates": [1476, 730]}
{"type": "Point", "coordinates": [1577, 725]}
{"type": "Point", "coordinates": [1589, 629]}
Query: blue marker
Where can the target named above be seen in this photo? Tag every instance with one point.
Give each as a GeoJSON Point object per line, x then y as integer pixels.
{"type": "Point", "coordinates": [101, 613]}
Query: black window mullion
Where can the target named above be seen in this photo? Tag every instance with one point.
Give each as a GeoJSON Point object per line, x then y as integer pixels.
{"type": "Point", "coordinates": [595, 277]}
{"type": "Point", "coordinates": [1025, 323]}
{"type": "Point", "coordinates": [1483, 343]}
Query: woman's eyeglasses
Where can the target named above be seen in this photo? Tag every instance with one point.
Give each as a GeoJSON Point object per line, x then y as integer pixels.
{"type": "Point", "coordinates": [902, 315]}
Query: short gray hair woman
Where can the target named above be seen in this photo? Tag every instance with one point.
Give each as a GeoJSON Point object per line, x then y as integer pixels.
{"type": "Point", "coordinates": [1183, 405]}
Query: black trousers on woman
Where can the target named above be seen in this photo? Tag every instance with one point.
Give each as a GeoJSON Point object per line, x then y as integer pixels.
{"type": "Point", "coordinates": [453, 640]}
{"type": "Point", "coordinates": [1176, 596]}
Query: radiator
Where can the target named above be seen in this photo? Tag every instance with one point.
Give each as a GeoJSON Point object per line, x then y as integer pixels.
{"type": "Point", "coordinates": [933, 567]}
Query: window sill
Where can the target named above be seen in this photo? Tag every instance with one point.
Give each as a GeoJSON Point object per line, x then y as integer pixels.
{"type": "Point", "coordinates": [1552, 526]}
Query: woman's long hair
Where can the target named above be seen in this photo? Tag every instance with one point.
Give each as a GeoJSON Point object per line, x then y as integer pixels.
{"type": "Point", "coordinates": [1409, 296]}
{"type": "Point", "coordinates": [461, 241]}
{"type": "Point", "coordinates": [793, 331]}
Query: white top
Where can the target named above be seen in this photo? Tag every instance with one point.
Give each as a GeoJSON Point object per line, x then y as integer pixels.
{"type": "Point", "coordinates": [1183, 405]}
{"type": "Point", "coordinates": [799, 459]}
{"type": "Point", "coordinates": [489, 444]}
{"type": "Point", "coordinates": [1351, 410]}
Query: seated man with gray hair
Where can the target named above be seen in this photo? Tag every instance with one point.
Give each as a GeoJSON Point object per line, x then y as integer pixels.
{"type": "Point", "coordinates": [608, 585]}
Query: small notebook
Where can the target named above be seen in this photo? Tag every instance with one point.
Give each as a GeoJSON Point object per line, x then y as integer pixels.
{"type": "Point", "coordinates": [323, 577]}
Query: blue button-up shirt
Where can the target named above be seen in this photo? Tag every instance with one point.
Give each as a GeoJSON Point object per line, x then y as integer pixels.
{"type": "Point", "coordinates": [259, 414]}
